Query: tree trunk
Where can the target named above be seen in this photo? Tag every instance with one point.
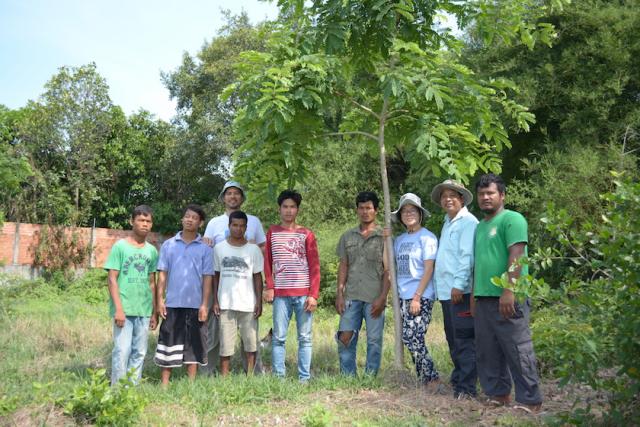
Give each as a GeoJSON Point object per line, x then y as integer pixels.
{"type": "Point", "coordinates": [397, 319]}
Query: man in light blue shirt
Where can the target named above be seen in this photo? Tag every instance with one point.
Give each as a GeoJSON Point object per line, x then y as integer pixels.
{"type": "Point", "coordinates": [453, 279]}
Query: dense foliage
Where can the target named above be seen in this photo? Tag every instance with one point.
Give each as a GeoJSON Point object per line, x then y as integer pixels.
{"type": "Point", "coordinates": [589, 332]}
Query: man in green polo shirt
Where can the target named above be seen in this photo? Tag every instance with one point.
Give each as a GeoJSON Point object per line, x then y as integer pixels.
{"type": "Point", "coordinates": [363, 285]}
{"type": "Point", "coordinates": [503, 338]}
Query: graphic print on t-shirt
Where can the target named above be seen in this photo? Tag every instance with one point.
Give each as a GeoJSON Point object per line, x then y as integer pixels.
{"type": "Point", "coordinates": [403, 257]}
{"type": "Point", "coordinates": [138, 261]}
{"type": "Point", "coordinates": [235, 263]}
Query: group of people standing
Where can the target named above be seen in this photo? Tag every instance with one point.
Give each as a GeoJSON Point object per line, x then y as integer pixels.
{"type": "Point", "coordinates": [210, 287]}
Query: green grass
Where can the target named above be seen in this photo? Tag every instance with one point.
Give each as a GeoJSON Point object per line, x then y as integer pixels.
{"type": "Point", "coordinates": [50, 337]}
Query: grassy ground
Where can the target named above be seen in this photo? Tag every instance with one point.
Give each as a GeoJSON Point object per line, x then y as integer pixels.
{"type": "Point", "coordinates": [48, 339]}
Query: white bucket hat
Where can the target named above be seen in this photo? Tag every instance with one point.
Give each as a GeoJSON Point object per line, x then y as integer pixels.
{"type": "Point", "coordinates": [228, 184]}
{"type": "Point", "coordinates": [454, 185]}
{"type": "Point", "coordinates": [409, 199]}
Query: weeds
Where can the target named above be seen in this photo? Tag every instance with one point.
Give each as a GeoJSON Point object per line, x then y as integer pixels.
{"type": "Point", "coordinates": [317, 416]}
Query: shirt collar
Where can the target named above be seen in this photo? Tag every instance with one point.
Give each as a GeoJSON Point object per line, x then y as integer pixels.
{"type": "Point", "coordinates": [461, 214]}
{"type": "Point", "coordinates": [197, 239]}
{"type": "Point", "coordinates": [376, 231]}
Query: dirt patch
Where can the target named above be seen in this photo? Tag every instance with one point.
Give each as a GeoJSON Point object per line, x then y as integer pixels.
{"type": "Point", "coordinates": [408, 403]}
{"type": "Point", "coordinates": [32, 416]}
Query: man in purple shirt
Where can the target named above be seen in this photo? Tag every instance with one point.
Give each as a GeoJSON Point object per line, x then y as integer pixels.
{"type": "Point", "coordinates": [185, 269]}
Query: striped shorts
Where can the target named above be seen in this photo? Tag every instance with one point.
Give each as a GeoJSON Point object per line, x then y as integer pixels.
{"type": "Point", "coordinates": [182, 339]}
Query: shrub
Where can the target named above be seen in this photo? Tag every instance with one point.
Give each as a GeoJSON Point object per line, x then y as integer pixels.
{"type": "Point", "coordinates": [95, 401]}
{"type": "Point", "coordinates": [91, 286]}
{"type": "Point", "coordinates": [60, 250]}
{"type": "Point", "coordinates": [597, 328]}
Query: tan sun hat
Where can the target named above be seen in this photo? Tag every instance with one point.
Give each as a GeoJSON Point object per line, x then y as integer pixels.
{"type": "Point", "coordinates": [454, 185]}
{"type": "Point", "coordinates": [409, 199]}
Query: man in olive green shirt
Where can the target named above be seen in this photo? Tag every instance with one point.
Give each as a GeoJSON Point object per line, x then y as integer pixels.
{"type": "Point", "coordinates": [363, 285]}
{"type": "Point", "coordinates": [504, 350]}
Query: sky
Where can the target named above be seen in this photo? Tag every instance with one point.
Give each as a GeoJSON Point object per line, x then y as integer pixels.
{"type": "Point", "coordinates": [131, 42]}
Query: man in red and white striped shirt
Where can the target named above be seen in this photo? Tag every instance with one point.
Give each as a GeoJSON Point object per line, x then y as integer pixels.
{"type": "Point", "coordinates": [292, 274]}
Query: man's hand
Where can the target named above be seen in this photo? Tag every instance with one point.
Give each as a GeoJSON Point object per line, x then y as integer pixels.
{"type": "Point", "coordinates": [340, 305]}
{"type": "Point", "coordinates": [215, 309]}
{"type": "Point", "coordinates": [162, 309]}
{"type": "Point", "coordinates": [377, 307]}
{"type": "Point", "coordinates": [153, 321]}
{"type": "Point", "coordinates": [456, 296]}
{"type": "Point", "coordinates": [203, 313]}
{"type": "Point", "coordinates": [207, 241]}
{"type": "Point", "coordinates": [310, 304]}
{"type": "Point", "coordinates": [257, 310]}
{"type": "Point", "coordinates": [507, 304]}
{"type": "Point", "coordinates": [119, 318]}
{"type": "Point", "coordinates": [267, 295]}
{"type": "Point", "coordinates": [414, 307]}
{"type": "Point", "coordinates": [472, 306]}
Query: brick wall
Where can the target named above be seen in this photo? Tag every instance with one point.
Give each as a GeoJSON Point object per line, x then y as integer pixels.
{"type": "Point", "coordinates": [28, 238]}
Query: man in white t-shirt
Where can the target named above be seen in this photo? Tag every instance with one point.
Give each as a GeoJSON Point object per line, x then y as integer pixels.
{"type": "Point", "coordinates": [237, 292]}
{"type": "Point", "coordinates": [232, 197]}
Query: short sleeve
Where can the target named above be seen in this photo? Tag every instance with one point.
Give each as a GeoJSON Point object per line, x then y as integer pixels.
{"type": "Point", "coordinates": [260, 236]}
{"type": "Point", "coordinates": [209, 231]}
{"type": "Point", "coordinates": [258, 260]}
{"type": "Point", "coordinates": [163, 259]}
{"type": "Point", "coordinates": [217, 261]}
{"type": "Point", "coordinates": [429, 247]}
{"type": "Point", "coordinates": [340, 248]}
{"type": "Point", "coordinates": [515, 229]}
{"type": "Point", "coordinates": [207, 261]}
{"type": "Point", "coordinates": [114, 261]}
{"type": "Point", "coordinates": [153, 266]}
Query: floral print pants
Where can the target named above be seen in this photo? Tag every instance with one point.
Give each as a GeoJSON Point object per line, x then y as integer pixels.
{"type": "Point", "coordinates": [414, 330]}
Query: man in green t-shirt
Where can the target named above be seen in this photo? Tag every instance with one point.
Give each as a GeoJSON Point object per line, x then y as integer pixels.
{"type": "Point", "coordinates": [131, 270]}
{"type": "Point", "coordinates": [503, 338]}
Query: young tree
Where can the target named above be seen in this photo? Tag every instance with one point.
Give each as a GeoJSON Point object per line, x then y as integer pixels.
{"type": "Point", "coordinates": [382, 71]}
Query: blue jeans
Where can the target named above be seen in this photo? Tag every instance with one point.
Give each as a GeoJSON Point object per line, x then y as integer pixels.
{"type": "Point", "coordinates": [129, 348]}
{"type": "Point", "coordinates": [351, 320]}
{"type": "Point", "coordinates": [283, 309]}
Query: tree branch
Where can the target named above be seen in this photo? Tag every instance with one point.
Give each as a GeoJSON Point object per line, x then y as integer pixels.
{"type": "Point", "coordinates": [355, 132]}
{"type": "Point", "coordinates": [357, 104]}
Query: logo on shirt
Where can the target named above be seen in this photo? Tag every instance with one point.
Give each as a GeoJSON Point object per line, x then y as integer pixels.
{"type": "Point", "coordinates": [140, 263]}
{"type": "Point", "coordinates": [235, 263]}
{"type": "Point", "coordinates": [493, 232]}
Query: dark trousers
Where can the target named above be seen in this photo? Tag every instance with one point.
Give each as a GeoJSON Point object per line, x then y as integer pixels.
{"type": "Point", "coordinates": [459, 330]}
{"type": "Point", "coordinates": [504, 351]}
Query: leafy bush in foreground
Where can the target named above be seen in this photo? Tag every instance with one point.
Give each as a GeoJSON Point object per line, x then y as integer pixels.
{"type": "Point", "coordinates": [596, 320]}
{"type": "Point", "coordinates": [95, 401]}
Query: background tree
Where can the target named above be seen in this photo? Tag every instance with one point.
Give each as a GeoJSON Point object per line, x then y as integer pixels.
{"type": "Point", "coordinates": [584, 91]}
{"type": "Point", "coordinates": [14, 169]}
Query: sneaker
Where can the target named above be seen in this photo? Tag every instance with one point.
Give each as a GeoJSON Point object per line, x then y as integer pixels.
{"type": "Point", "coordinates": [461, 395]}
{"type": "Point", "coordinates": [529, 409]}
{"type": "Point", "coordinates": [497, 401]}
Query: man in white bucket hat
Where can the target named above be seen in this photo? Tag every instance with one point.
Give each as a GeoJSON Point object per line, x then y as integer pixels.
{"type": "Point", "coordinates": [453, 279]}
